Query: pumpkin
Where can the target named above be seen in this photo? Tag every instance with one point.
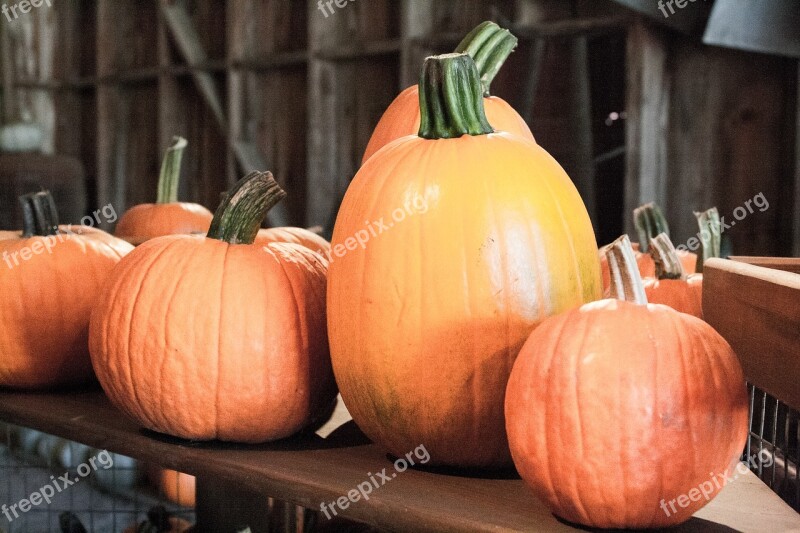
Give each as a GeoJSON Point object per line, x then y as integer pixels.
{"type": "Point", "coordinates": [167, 216]}
{"type": "Point", "coordinates": [50, 278]}
{"type": "Point", "coordinates": [300, 236]}
{"type": "Point", "coordinates": [176, 487]}
{"type": "Point", "coordinates": [649, 221]}
{"type": "Point", "coordinates": [426, 318]}
{"type": "Point", "coordinates": [159, 520]}
{"type": "Point", "coordinates": [616, 409]}
{"type": "Point", "coordinates": [672, 286]}
{"type": "Point", "coordinates": [489, 45]}
{"type": "Point", "coordinates": [214, 337]}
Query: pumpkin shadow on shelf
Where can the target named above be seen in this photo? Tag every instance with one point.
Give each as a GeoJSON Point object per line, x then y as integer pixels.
{"type": "Point", "coordinates": [346, 436]}
{"type": "Point", "coordinates": [693, 525]}
{"type": "Point", "coordinates": [453, 471]}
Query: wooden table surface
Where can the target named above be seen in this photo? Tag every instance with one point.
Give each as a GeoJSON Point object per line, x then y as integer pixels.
{"type": "Point", "coordinates": [309, 470]}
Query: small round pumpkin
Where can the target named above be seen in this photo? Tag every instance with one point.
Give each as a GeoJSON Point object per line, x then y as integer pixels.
{"type": "Point", "coordinates": [300, 236]}
{"type": "Point", "coordinates": [214, 337]}
{"type": "Point", "coordinates": [489, 45]}
{"type": "Point", "coordinates": [167, 216]}
{"type": "Point", "coordinates": [426, 318]}
{"type": "Point", "coordinates": [649, 221]}
{"type": "Point", "coordinates": [50, 277]}
{"type": "Point", "coordinates": [671, 286]}
{"type": "Point", "coordinates": [617, 408]}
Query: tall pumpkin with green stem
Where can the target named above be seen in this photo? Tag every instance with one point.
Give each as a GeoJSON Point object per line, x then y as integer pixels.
{"type": "Point", "coordinates": [50, 277]}
{"type": "Point", "coordinates": [482, 236]}
{"type": "Point", "coordinates": [216, 337]}
{"type": "Point", "coordinates": [489, 45]}
{"type": "Point", "coordinates": [167, 216]}
{"type": "Point", "coordinates": [710, 236]}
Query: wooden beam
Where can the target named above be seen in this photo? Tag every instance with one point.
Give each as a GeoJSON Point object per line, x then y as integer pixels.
{"type": "Point", "coordinates": [757, 310]}
{"type": "Point", "coordinates": [796, 210]}
{"type": "Point", "coordinates": [179, 23]}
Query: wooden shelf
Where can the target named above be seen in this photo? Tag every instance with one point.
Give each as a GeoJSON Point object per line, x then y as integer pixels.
{"type": "Point", "coordinates": [310, 470]}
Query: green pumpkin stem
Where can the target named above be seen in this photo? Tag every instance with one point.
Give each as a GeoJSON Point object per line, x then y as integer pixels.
{"type": "Point", "coordinates": [238, 218]}
{"type": "Point", "coordinates": [665, 256]}
{"type": "Point", "coordinates": [649, 221]}
{"type": "Point", "coordinates": [710, 236]}
{"type": "Point", "coordinates": [39, 214]}
{"type": "Point", "coordinates": [169, 178]}
{"type": "Point", "coordinates": [626, 282]}
{"type": "Point", "coordinates": [451, 99]}
{"type": "Point", "coordinates": [489, 45]}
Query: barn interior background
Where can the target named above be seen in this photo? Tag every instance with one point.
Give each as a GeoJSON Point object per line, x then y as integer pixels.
{"type": "Point", "coordinates": [633, 109]}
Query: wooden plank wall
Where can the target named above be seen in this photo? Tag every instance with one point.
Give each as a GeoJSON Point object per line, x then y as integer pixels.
{"type": "Point", "coordinates": [301, 92]}
{"type": "Point", "coordinates": [711, 126]}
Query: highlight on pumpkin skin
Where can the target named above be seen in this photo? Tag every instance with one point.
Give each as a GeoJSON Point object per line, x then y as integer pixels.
{"type": "Point", "coordinates": [255, 365]}
{"type": "Point", "coordinates": [489, 45]}
{"type": "Point", "coordinates": [45, 313]}
{"type": "Point", "coordinates": [476, 273]}
{"type": "Point", "coordinates": [167, 216]}
{"type": "Point", "coordinates": [665, 366]}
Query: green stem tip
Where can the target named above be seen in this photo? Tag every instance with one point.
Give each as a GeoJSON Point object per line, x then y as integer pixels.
{"type": "Point", "coordinates": [710, 236]}
{"type": "Point", "coordinates": [39, 214]}
{"type": "Point", "coordinates": [238, 218]}
{"type": "Point", "coordinates": [665, 256]}
{"type": "Point", "coordinates": [649, 221]}
{"type": "Point", "coordinates": [489, 45]}
{"type": "Point", "coordinates": [626, 281]}
{"type": "Point", "coordinates": [169, 178]}
{"type": "Point", "coordinates": [450, 98]}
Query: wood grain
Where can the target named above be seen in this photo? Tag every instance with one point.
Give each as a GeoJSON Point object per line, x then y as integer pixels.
{"type": "Point", "coordinates": [309, 470]}
{"type": "Point", "coordinates": [757, 310]}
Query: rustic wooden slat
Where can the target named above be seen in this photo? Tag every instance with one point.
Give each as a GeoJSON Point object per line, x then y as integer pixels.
{"type": "Point", "coordinates": [788, 264]}
{"type": "Point", "coordinates": [309, 471]}
{"type": "Point", "coordinates": [757, 310]}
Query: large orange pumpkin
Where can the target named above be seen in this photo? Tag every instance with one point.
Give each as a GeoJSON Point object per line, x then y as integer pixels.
{"type": "Point", "coordinates": [50, 279]}
{"type": "Point", "coordinates": [214, 337]}
{"type": "Point", "coordinates": [671, 286]}
{"type": "Point", "coordinates": [489, 45]}
{"type": "Point", "coordinates": [618, 410]}
{"type": "Point", "coordinates": [167, 216]}
{"type": "Point", "coordinates": [481, 236]}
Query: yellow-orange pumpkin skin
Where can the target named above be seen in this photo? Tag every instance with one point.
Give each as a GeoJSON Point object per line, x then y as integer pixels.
{"type": "Point", "coordinates": [293, 235]}
{"type": "Point", "coordinates": [147, 221]}
{"type": "Point", "coordinates": [484, 237]}
{"type": "Point", "coordinates": [48, 295]}
{"type": "Point", "coordinates": [684, 295]}
{"type": "Point", "coordinates": [201, 339]}
{"type": "Point", "coordinates": [614, 408]}
{"type": "Point", "coordinates": [402, 118]}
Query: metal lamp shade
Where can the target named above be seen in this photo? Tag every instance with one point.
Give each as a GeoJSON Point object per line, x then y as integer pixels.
{"type": "Point", "coordinates": [768, 26]}
{"type": "Point", "coordinates": [686, 16]}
